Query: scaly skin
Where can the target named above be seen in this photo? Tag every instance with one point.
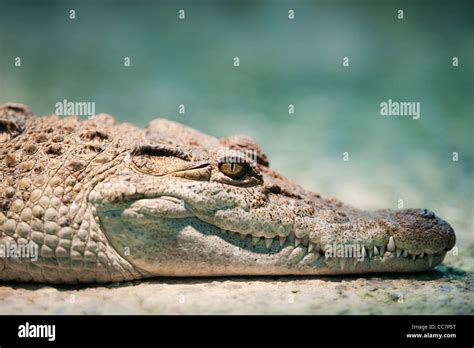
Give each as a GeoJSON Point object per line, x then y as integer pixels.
{"type": "Point", "coordinates": [105, 202]}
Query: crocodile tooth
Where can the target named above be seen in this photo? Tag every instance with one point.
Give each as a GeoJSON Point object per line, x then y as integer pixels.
{"type": "Point", "coordinates": [399, 252]}
{"type": "Point", "coordinates": [297, 242]}
{"type": "Point", "coordinates": [371, 253]}
{"type": "Point", "coordinates": [310, 247]}
{"type": "Point", "coordinates": [422, 255]}
{"type": "Point", "coordinates": [413, 257]}
{"type": "Point", "coordinates": [405, 253]}
{"type": "Point", "coordinates": [376, 251]}
{"type": "Point", "coordinates": [282, 240]}
{"type": "Point", "coordinates": [309, 259]}
{"type": "Point", "coordinates": [342, 263]}
{"type": "Point", "coordinates": [382, 251]}
{"type": "Point", "coordinates": [255, 240]}
{"type": "Point", "coordinates": [242, 236]}
{"type": "Point", "coordinates": [391, 245]}
{"type": "Point", "coordinates": [430, 260]}
{"type": "Point", "coordinates": [364, 253]}
{"type": "Point", "coordinates": [355, 262]}
{"type": "Point", "coordinates": [268, 242]}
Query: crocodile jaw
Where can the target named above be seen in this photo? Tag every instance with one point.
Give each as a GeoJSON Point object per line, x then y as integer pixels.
{"type": "Point", "coordinates": [166, 236]}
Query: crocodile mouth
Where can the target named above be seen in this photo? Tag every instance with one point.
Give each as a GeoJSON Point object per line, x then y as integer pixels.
{"type": "Point", "coordinates": [360, 257]}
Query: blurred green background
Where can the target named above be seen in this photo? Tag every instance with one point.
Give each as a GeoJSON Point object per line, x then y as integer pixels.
{"type": "Point", "coordinates": [282, 62]}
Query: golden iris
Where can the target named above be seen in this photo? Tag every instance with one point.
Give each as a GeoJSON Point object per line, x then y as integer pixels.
{"type": "Point", "coordinates": [233, 170]}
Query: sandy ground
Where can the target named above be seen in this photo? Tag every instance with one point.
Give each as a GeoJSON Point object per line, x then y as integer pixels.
{"type": "Point", "coordinates": [447, 290]}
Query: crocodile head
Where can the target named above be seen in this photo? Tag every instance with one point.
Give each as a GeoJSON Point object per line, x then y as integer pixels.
{"type": "Point", "coordinates": [181, 203]}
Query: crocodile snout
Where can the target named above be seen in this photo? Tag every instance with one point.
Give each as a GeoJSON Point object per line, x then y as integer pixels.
{"type": "Point", "coordinates": [421, 231]}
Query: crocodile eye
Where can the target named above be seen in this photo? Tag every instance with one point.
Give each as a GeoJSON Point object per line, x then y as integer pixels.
{"type": "Point", "coordinates": [234, 170]}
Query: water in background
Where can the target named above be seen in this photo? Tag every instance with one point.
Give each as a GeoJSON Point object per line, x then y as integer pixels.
{"type": "Point", "coordinates": [282, 62]}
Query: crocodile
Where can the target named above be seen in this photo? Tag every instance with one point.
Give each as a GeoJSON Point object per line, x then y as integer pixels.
{"type": "Point", "coordinates": [96, 201]}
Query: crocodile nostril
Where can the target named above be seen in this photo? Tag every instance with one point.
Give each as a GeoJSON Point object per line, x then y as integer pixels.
{"type": "Point", "coordinates": [427, 214]}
